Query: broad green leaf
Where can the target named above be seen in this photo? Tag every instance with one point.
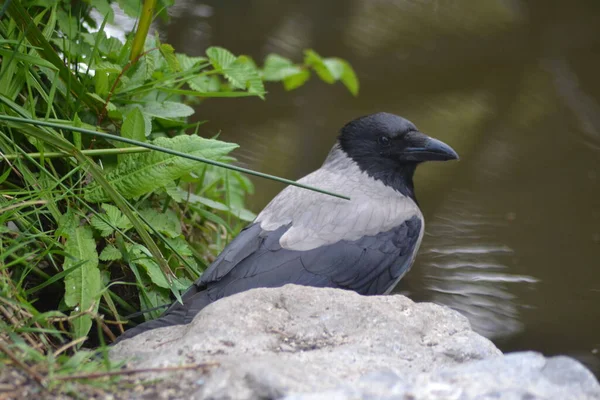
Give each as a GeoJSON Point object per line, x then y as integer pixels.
{"type": "Point", "coordinates": [172, 190]}
{"type": "Point", "coordinates": [106, 223]}
{"type": "Point", "coordinates": [295, 81]}
{"type": "Point", "coordinates": [342, 71]}
{"type": "Point", "coordinates": [101, 225]}
{"type": "Point", "coordinates": [101, 83]}
{"type": "Point", "coordinates": [168, 109]}
{"type": "Point", "coordinates": [244, 72]}
{"type": "Point", "coordinates": [142, 257]}
{"type": "Point", "coordinates": [186, 62]}
{"type": "Point", "coordinates": [312, 59]}
{"type": "Point", "coordinates": [219, 57]}
{"type": "Point", "coordinates": [116, 217]}
{"type": "Point", "coordinates": [205, 84]}
{"type": "Point", "coordinates": [142, 173]}
{"type": "Point", "coordinates": [134, 126]}
{"type": "Point", "coordinates": [110, 253]}
{"type": "Point", "coordinates": [278, 68]}
{"type": "Point", "coordinates": [83, 285]}
{"type": "Point", "coordinates": [168, 54]}
{"type": "Point", "coordinates": [166, 223]}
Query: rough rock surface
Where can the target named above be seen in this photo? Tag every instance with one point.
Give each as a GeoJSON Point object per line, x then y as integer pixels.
{"type": "Point", "coordinates": [297, 342]}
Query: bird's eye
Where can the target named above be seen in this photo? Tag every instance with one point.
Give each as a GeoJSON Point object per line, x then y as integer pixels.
{"type": "Point", "coordinates": [384, 140]}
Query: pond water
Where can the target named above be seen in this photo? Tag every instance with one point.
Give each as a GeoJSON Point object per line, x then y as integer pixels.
{"type": "Point", "coordinates": [513, 229]}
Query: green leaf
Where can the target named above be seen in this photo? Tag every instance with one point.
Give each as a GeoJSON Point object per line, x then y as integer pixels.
{"type": "Point", "coordinates": [172, 190]}
{"type": "Point", "coordinates": [241, 71]}
{"type": "Point", "coordinates": [205, 84]}
{"type": "Point", "coordinates": [116, 217]}
{"type": "Point", "coordinates": [168, 109]}
{"type": "Point", "coordinates": [142, 257]}
{"type": "Point", "coordinates": [278, 68]}
{"type": "Point", "coordinates": [342, 71]}
{"type": "Point", "coordinates": [83, 285]}
{"type": "Point", "coordinates": [110, 253]}
{"type": "Point", "coordinates": [219, 57]}
{"type": "Point", "coordinates": [134, 126]}
{"type": "Point", "coordinates": [101, 225]}
{"type": "Point", "coordinates": [295, 81]}
{"type": "Point", "coordinates": [104, 8]}
{"type": "Point", "coordinates": [143, 173]}
{"type": "Point", "coordinates": [131, 7]}
{"type": "Point", "coordinates": [312, 59]}
{"type": "Point", "coordinates": [168, 54]}
{"type": "Point", "coordinates": [101, 83]}
{"type": "Point", "coordinates": [166, 223]}
{"type": "Point", "coordinates": [186, 62]}
{"type": "Point", "coordinates": [108, 67]}
{"type": "Point", "coordinates": [106, 223]}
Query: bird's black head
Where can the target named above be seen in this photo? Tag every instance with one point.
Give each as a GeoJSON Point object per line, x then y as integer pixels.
{"type": "Point", "coordinates": [389, 148]}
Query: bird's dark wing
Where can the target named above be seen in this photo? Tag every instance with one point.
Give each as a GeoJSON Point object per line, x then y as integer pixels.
{"type": "Point", "coordinates": [369, 265]}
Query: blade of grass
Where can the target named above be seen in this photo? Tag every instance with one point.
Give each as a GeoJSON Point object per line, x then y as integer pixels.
{"type": "Point", "coordinates": [107, 136]}
{"type": "Point", "coordinates": [17, 12]}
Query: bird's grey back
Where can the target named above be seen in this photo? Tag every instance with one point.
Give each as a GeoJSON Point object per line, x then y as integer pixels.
{"type": "Point", "coordinates": [317, 219]}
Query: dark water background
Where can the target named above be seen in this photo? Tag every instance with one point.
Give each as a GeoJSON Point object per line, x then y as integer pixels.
{"type": "Point", "coordinates": [513, 230]}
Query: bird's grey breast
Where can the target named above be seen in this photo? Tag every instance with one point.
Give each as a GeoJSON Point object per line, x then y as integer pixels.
{"type": "Point", "coordinates": [317, 219]}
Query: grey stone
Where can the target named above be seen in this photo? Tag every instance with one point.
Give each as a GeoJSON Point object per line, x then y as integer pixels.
{"type": "Point", "coordinates": [299, 342]}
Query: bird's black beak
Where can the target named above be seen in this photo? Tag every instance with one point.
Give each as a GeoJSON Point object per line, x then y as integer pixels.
{"type": "Point", "coordinates": [424, 148]}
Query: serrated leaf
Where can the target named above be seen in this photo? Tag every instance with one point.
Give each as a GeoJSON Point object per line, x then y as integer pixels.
{"type": "Point", "coordinates": [205, 84]}
{"type": "Point", "coordinates": [168, 54]}
{"type": "Point", "coordinates": [180, 246]}
{"type": "Point", "coordinates": [172, 190]}
{"type": "Point", "coordinates": [116, 217]}
{"type": "Point", "coordinates": [142, 173]}
{"type": "Point", "coordinates": [168, 109]}
{"type": "Point", "coordinates": [108, 67]}
{"type": "Point", "coordinates": [166, 223]}
{"type": "Point", "coordinates": [186, 62]}
{"type": "Point", "coordinates": [101, 225]}
{"type": "Point", "coordinates": [110, 253]}
{"type": "Point", "coordinates": [219, 57]}
{"type": "Point", "coordinates": [134, 126]}
{"type": "Point", "coordinates": [83, 285]}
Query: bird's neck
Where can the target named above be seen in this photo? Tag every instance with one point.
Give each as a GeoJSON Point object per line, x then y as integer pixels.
{"type": "Point", "coordinates": [398, 177]}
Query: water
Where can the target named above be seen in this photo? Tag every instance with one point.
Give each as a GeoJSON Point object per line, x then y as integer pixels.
{"type": "Point", "coordinates": [513, 230]}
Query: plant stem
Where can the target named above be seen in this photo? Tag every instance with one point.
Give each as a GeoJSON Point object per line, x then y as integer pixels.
{"type": "Point", "coordinates": [142, 30]}
{"type": "Point", "coordinates": [94, 152]}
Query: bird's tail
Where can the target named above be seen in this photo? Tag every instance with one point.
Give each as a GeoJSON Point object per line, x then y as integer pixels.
{"type": "Point", "coordinates": [194, 300]}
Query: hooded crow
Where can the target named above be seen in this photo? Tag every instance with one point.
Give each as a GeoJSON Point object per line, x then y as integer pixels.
{"type": "Point", "coordinates": [365, 244]}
